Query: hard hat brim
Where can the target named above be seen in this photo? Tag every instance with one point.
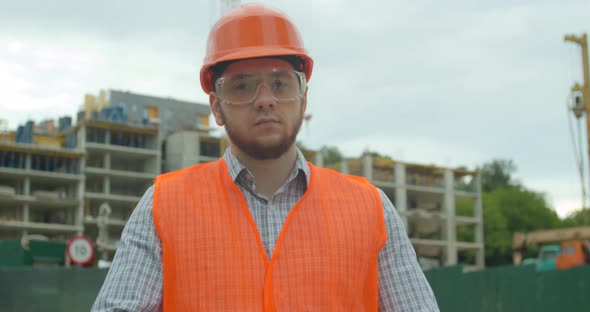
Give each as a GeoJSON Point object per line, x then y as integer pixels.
{"type": "Point", "coordinates": [206, 74]}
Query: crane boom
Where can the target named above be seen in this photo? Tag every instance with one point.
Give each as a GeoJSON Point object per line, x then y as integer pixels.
{"type": "Point", "coordinates": [583, 104]}
{"type": "Point", "coordinates": [520, 240]}
{"type": "Point", "coordinates": [227, 5]}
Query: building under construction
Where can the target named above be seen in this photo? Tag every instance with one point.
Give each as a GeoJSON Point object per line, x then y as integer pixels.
{"type": "Point", "coordinates": [87, 177]}
{"type": "Point", "coordinates": [426, 198]}
{"type": "Point", "coordinates": [54, 179]}
{"type": "Point", "coordinates": [41, 182]}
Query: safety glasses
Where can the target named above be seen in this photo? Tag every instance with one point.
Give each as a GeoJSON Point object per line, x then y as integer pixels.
{"type": "Point", "coordinates": [243, 88]}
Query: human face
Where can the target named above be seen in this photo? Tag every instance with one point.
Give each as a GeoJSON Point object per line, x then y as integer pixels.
{"type": "Point", "coordinates": [267, 127]}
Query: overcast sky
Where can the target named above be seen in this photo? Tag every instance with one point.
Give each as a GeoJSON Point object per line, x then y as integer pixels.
{"type": "Point", "coordinates": [451, 83]}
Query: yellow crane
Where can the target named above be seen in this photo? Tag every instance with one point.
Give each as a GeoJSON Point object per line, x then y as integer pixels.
{"type": "Point", "coordinates": [581, 99]}
{"type": "Point", "coordinates": [522, 240]}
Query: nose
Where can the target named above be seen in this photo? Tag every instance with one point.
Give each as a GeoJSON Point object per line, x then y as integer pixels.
{"type": "Point", "coordinates": [264, 98]}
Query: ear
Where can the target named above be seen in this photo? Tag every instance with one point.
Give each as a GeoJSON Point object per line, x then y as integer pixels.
{"type": "Point", "coordinates": [216, 108]}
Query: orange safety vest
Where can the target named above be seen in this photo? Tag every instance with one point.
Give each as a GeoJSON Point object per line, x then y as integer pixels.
{"type": "Point", "coordinates": [325, 258]}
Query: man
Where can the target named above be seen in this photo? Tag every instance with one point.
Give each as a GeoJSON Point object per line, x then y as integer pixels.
{"type": "Point", "coordinates": [261, 229]}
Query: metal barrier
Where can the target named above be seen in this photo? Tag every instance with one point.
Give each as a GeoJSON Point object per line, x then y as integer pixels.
{"type": "Point", "coordinates": [502, 289]}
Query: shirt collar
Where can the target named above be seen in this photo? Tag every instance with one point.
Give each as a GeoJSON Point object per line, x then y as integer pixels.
{"type": "Point", "coordinates": [235, 167]}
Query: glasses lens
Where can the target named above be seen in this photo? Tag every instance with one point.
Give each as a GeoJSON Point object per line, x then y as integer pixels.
{"type": "Point", "coordinates": [242, 88]}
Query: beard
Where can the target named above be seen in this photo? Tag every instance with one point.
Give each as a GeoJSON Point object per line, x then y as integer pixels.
{"type": "Point", "coordinates": [259, 151]}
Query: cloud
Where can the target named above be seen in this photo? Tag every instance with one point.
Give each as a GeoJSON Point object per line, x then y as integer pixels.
{"type": "Point", "coordinates": [563, 192]}
{"type": "Point", "coordinates": [453, 82]}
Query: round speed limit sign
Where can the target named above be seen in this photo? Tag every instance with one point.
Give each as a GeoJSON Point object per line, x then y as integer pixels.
{"type": "Point", "coordinates": [80, 250]}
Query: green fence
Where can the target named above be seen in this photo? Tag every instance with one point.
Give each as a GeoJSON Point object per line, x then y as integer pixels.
{"type": "Point", "coordinates": [49, 289]}
{"type": "Point", "coordinates": [499, 289]}
{"type": "Point", "coordinates": [508, 289]}
{"type": "Point", "coordinates": [12, 253]}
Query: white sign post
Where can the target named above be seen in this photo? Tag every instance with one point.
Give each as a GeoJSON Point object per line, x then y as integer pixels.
{"type": "Point", "coordinates": [80, 250]}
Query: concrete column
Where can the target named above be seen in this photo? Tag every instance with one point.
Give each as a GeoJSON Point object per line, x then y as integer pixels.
{"type": "Point", "coordinates": [107, 184]}
{"type": "Point", "coordinates": [107, 136]}
{"type": "Point", "coordinates": [157, 167]}
{"type": "Point", "coordinates": [401, 193]}
{"type": "Point", "coordinates": [196, 151]}
{"type": "Point", "coordinates": [81, 189]}
{"type": "Point", "coordinates": [81, 137]}
{"type": "Point", "coordinates": [79, 216]}
{"type": "Point", "coordinates": [28, 161]}
{"type": "Point", "coordinates": [344, 166]}
{"type": "Point", "coordinates": [26, 213]}
{"type": "Point", "coordinates": [26, 191]}
{"type": "Point", "coordinates": [107, 179]}
{"type": "Point", "coordinates": [479, 236]}
{"type": "Point", "coordinates": [319, 160]}
{"type": "Point", "coordinates": [27, 186]}
{"type": "Point", "coordinates": [451, 225]}
{"type": "Point", "coordinates": [158, 146]}
{"type": "Point", "coordinates": [368, 166]}
{"type": "Point", "coordinates": [107, 161]}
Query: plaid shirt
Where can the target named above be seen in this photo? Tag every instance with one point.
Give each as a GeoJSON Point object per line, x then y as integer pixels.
{"type": "Point", "coordinates": [134, 281]}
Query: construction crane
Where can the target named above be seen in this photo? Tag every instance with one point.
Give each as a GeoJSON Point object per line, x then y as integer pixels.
{"type": "Point", "coordinates": [219, 8]}
{"type": "Point", "coordinates": [521, 240]}
{"type": "Point", "coordinates": [227, 5]}
{"type": "Point", "coordinates": [581, 101]}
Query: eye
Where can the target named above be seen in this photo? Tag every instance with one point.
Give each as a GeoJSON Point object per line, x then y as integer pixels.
{"type": "Point", "coordinates": [277, 84]}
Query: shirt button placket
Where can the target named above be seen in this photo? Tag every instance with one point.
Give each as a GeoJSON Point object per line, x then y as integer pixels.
{"type": "Point", "coordinates": [272, 223]}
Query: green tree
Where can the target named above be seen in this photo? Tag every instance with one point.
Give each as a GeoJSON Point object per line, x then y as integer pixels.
{"type": "Point", "coordinates": [497, 174]}
{"type": "Point", "coordinates": [579, 217]}
{"type": "Point", "coordinates": [497, 238]}
{"type": "Point", "coordinates": [509, 207]}
{"type": "Point", "coordinates": [513, 209]}
{"type": "Point", "coordinates": [465, 208]}
{"type": "Point", "coordinates": [377, 155]}
{"type": "Point", "coordinates": [523, 209]}
{"type": "Point", "coordinates": [330, 155]}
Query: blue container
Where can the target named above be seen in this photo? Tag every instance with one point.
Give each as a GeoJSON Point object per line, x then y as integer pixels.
{"type": "Point", "coordinates": [64, 123]}
{"type": "Point", "coordinates": [19, 134]}
{"type": "Point", "coordinates": [106, 113]}
{"type": "Point", "coordinates": [28, 132]}
{"type": "Point", "coordinates": [547, 256]}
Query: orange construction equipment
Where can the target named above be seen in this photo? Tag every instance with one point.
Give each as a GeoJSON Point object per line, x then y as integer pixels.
{"type": "Point", "coordinates": [572, 254]}
{"type": "Point", "coordinates": [252, 31]}
{"type": "Point", "coordinates": [521, 240]}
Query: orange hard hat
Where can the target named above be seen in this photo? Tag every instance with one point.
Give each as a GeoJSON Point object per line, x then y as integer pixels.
{"type": "Point", "coordinates": [252, 31]}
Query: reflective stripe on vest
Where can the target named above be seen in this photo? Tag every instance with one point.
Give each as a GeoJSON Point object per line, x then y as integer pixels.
{"type": "Point", "coordinates": [325, 258]}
